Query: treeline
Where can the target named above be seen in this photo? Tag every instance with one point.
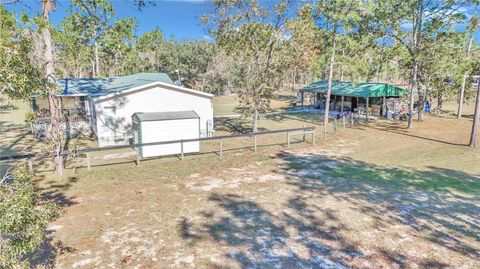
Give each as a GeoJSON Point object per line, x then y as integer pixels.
{"type": "Point", "coordinates": [92, 42]}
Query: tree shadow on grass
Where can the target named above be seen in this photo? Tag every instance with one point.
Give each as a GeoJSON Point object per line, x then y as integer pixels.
{"type": "Point", "coordinates": [439, 202]}
{"type": "Point", "coordinates": [54, 191]}
{"type": "Point", "coordinates": [46, 255]}
{"type": "Point", "coordinates": [400, 129]}
{"type": "Point", "coordinates": [261, 239]}
{"type": "Point", "coordinates": [234, 125]}
{"type": "Point", "coordinates": [440, 205]}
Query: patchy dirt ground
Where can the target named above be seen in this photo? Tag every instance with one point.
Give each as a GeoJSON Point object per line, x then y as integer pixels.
{"type": "Point", "coordinates": [305, 208]}
{"type": "Point", "coordinates": [375, 196]}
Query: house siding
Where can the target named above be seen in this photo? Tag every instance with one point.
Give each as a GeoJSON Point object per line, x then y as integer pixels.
{"type": "Point", "coordinates": [114, 115]}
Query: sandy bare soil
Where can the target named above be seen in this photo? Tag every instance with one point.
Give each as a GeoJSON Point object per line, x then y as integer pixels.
{"type": "Point", "coordinates": [373, 196]}
{"type": "Point", "coordinates": [306, 208]}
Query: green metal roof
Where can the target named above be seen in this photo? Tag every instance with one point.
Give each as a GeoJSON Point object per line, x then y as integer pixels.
{"type": "Point", "coordinates": [96, 87]}
{"type": "Point", "coordinates": [356, 89]}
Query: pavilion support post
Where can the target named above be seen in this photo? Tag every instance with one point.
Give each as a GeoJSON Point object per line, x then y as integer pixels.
{"type": "Point", "coordinates": [302, 99]}
{"type": "Point", "coordinates": [384, 107]}
{"type": "Point", "coordinates": [343, 99]}
{"type": "Point", "coordinates": [367, 116]}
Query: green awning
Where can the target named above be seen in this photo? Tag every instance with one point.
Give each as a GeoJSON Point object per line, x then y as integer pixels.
{"type": "Point", "coordinates": [356, 89]}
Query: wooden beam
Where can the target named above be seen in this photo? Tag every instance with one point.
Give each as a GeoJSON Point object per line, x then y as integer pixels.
{"type": "Point", "coordinates": [302, 98]}
{"type": "Point", "coordinates": [384, 107]}
{"type": "Point", "coordinates": [342, 103]}
{"type": "Point", "coordinates": [366, 110]}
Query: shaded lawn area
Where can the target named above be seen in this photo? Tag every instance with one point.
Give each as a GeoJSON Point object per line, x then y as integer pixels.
{"type": "Point", "coordinates": [377, 195]}
{"type": "Point", "coordinates": [373, 196]}
{"type": "Point", "coordinates": [226, 105]}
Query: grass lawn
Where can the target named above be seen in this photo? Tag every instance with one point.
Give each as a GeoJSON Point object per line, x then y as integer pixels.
{"type": "Point", "coordinates": [225, 105]}
{"type": "Point", "coordinates": [373, 196]}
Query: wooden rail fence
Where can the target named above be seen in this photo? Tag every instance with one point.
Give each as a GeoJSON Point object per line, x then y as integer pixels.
{"type": "Point", "coordinates": [87, 151]}
{"type": "Point", "coordinates": [345, 120]}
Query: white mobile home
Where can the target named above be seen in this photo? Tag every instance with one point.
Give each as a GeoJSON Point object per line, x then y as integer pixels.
{"type": "Point", "coordinates": [107, 104]}
{"type": "Point", "coordinates": [166, 126]}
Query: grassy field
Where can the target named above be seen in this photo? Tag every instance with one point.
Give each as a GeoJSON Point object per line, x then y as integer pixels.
{"type": "Point", "coordinates": [225, 105]}
{"type": "Point", "coordinates": [373, 196]}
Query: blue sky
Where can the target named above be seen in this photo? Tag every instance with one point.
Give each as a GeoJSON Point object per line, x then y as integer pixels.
{"type": "Point", "coordinates": [179, 18]}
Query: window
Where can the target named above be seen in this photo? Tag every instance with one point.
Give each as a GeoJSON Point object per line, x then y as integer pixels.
{"type": "Point", "coordinates": [109, 121]}
{"type": "Point", "coordinates": [112, 109]}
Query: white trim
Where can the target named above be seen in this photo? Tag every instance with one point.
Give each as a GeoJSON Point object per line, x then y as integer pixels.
{"type": "Point", "coordinates": [71, 94]}
{"type": "Point", "coordinates": [156, 83]}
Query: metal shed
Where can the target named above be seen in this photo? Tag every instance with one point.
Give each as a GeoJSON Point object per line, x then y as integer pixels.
{"type": "Point", "coordinates": [165, 126]}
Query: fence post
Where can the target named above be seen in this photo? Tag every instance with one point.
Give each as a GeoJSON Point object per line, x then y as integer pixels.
{"type": "Point", "coordinates": [335, 125]}
{"type": "Point", "coordinates": [288, 139]}
{"type": "Point", "coordinates": [343, 121]}
{"type": "Point", "coordinates": [304, 126]}
{"type": "Point", "coordinates": [138, 159]}
{"type": "Point", "coordinates": [30, 165]}
{"type": "Point", "coordinates": [181, 148]}
{"type": "Point", "coordinates": [351, 120]}
{"type": "Point", "coordinates": [88, 161]}
{"type": "Point", "coordinates": [255, 143]}
{"type": "Point", "coordinates": [221, 147]}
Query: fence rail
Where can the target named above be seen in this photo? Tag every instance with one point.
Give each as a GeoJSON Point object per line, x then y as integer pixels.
{"type": "Point", "coordinates": [107, 148]}
{"type": "Point", "coordinates": [342, 120]}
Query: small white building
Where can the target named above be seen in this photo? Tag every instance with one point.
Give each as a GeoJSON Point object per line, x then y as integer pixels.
{"type": "Point", "coordinates": [166, 126]}
{"type": "Point", "coordinates": [108, 104]}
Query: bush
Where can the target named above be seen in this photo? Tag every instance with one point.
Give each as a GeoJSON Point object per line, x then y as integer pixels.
{"type": "Point", "coordinates": [30, 116]}
{"type": "Point", "coordinates": [23, 218]}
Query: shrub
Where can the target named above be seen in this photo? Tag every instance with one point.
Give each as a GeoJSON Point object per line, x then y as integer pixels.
{"type": "Point", "coordinates": [30, 116]}
{"type": "Point", "coordinates": [23, 218]}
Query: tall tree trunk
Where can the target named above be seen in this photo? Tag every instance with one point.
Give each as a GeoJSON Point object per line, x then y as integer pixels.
{"type": "Point", "coordinates": [330, 81]}
{"type": "Point", "coordinates": [464, 81]}
{"type": "Point", "coordinates": [439, 101]}
{"type": "Point", "coordinates": [380, 65]}
{"type": "Point", "coordinates": [421, 106]}
{"type": "Point", "coordinates": [342, 71]}
{"type": "Point", "coordinates": [476, 120]}
{"type": "Point", "coordinates": [47, 7]}
{"type": "Point", "coordinates": [97, 60]}
{"type": "Point", "coordinates": [416, 48]}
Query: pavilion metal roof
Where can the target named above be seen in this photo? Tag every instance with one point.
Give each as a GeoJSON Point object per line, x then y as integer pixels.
{"type": "Point", "coordinates": [355, 89]}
